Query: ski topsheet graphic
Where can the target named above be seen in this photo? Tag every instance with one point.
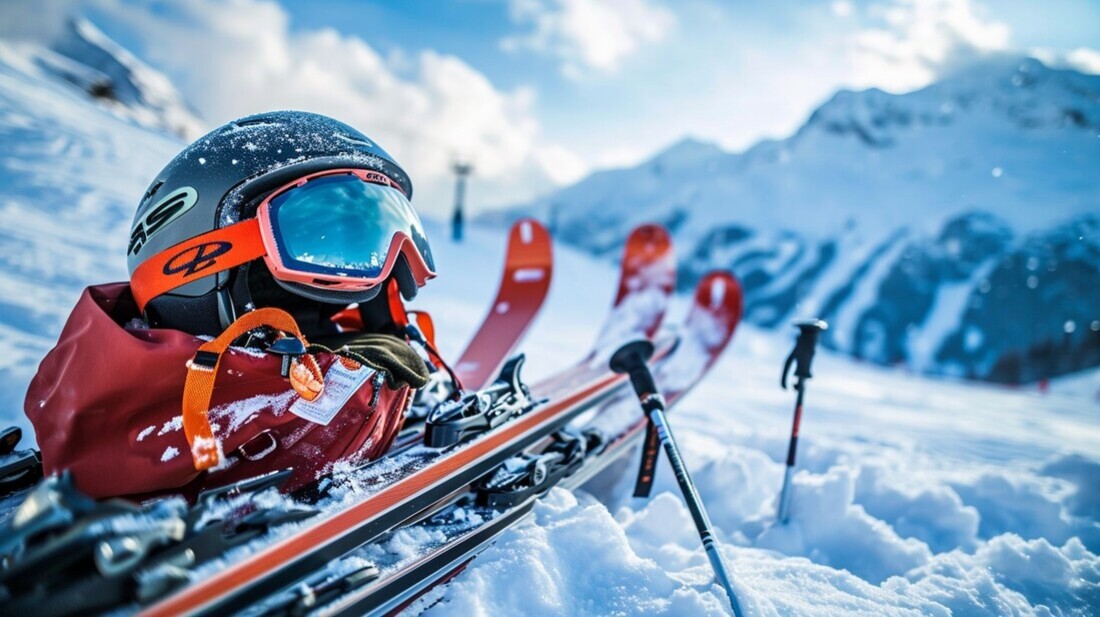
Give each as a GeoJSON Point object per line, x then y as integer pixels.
{"type": "Point", "coordinates": [528, 265]}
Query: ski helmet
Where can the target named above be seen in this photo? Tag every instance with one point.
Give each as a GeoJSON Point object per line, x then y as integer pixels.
{"type": "Point", "coordinates": [274, 204]}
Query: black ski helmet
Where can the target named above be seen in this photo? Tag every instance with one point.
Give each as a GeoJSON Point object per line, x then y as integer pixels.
{"type": "Point", "coordinates": [220, 180]}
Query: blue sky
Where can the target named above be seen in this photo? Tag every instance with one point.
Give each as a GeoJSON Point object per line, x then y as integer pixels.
{"type": "Point", "coordinates": [651, 87]}
{"type": "Point", "coordinates": [539, 92]}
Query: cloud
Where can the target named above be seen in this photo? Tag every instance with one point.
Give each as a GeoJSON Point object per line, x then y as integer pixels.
{"type": "Point", "coordinates": [588, 34]}
{"type": "Point", "coordinates": [1085, 60]}
{"type": "Point", "coordinates": [914, 41]}
{"type": "Point", "coordinates": [841, 8]}
{"type": "Point", "coordinates": [237, 57]}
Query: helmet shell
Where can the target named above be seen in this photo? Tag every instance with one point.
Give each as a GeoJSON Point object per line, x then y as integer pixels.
{"type": "Point", "coordinates": [219, 180]}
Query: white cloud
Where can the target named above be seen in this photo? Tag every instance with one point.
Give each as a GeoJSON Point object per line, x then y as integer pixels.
{"type": "Point", "coordinates": [841, 8]}
{"type": "Point", "coordinates": [1081, 59]}
{"type": "Point", "coordinates": [428, 109]}
{"type": "Point", "coordinates": [1085, 60]}
{"type": "Point", "coordinates": [913, 41]}
{"type": "Point", "coordinates": [588, 34]}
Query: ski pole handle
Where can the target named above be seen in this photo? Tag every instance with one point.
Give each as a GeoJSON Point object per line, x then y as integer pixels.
{"type": "Point", "coordinates": [631, 359]}
{"type": "Point", "coordinates": [802, 356]}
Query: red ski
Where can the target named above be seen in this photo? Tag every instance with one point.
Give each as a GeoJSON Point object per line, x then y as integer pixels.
{"type": "Point", "coordinates": [647, 279]}
{"type": "Point", "coordinates": [528, 264]}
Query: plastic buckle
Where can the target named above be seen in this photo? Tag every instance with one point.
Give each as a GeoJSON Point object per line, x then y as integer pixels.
{"type": "Point", "coordinates": [204, 361]}
{"type": "Point", "coordinates": [289, 348]}
{"type": "Point", "coordinates": [259, 446]}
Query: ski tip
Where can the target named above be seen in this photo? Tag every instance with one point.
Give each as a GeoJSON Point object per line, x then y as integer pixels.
{"type": "Point", "coordinates": [649, 238]}
{"type": "Point", "coordinates": [528, 231]}
{"type": "Point", "coordinates": [529, 244]}
{"type": "Point", "coordinates": [719, 292]}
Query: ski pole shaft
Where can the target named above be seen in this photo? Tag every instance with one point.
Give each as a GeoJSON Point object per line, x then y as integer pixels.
{"type": "Point", "coordinates": [695, 506]}
{"type": "Point", "coordinates": [792, 449]}
{"type": "Point", "coordinates": [801, 358]}
{"type": "Point", "coordinates": [631, 359]}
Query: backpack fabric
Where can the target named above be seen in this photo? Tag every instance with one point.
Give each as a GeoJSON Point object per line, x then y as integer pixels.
{"type": "Point", "coordinates": [106, 405]}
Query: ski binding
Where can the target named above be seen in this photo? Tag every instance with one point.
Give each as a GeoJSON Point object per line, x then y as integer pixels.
{"type": "Point", "coordinates": [456, 421]}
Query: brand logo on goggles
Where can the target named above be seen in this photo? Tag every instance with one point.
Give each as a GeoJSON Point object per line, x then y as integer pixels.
{"type": "Point", "coordinates": [196, 258]}
{"type": "Point", "coordinates": [380, 178]}
{"type": "Point", "coordinates": [163, 212]}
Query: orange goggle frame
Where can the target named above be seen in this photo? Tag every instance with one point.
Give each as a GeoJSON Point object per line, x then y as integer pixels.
{"type": "Point", "coordinates": [240, 243]}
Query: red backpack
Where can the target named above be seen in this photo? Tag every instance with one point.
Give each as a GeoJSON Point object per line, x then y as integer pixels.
{"type": "Point", "coordinates": [106, 404]}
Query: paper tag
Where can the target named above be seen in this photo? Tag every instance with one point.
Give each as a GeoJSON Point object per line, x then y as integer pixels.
{"type": "Point", "coordinates": [340, 384]}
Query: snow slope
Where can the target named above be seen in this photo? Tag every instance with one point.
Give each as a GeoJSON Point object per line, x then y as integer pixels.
{"type": "Point", "coordinates": [914, 496]}
{"type": "Point", "coordinates": [986, 174]}
{"type": "Point", "coordinates": [72, 173]}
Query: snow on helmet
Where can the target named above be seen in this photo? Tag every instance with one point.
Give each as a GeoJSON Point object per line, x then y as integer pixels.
{"type": "Point", "coordinates": [274, 208]}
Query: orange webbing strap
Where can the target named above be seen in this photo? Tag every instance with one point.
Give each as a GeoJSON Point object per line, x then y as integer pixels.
{"type": "Point", "coordinates": [203, 369]}
{"type": "Point", "coordinates": [191, 260]}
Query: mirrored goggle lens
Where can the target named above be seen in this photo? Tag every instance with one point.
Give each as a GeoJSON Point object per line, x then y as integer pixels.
{"type": "Point", "coordinates": [343, 225]}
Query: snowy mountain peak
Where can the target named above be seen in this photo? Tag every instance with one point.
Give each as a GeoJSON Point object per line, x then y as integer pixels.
{"type": "Point", "coordinates": [687, 152]}
{"type": "Point", "coordinates": [925, 226]}
{"type": "Point", "coordinates": [85, 58]}
{"type": "Point", "coordinates": [1023, 92]}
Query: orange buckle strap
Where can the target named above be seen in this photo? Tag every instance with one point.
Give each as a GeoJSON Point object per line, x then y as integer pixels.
{"type": "Point", "coordinates": [304, 373]}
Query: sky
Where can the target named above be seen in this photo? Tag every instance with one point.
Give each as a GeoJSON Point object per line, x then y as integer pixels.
{"type": "Point", "coordinates": [538, 93]}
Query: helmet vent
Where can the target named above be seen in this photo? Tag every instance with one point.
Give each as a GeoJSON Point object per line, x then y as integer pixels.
{"type": "Point", "coordinates": [254, 122]}
{"type": "Point", "coordinates": [354, 140]}
{"type": "Point", "coordinates": [153, 190]}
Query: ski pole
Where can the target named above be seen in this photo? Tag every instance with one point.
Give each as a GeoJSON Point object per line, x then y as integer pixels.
{"type": "Point", "coordinates": [631, 359]}
{"type": "Point", "coordinates": [801, 356]}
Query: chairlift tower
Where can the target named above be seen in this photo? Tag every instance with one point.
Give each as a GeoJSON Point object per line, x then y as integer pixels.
{"type": "Point", "coordinates": [462, 171]}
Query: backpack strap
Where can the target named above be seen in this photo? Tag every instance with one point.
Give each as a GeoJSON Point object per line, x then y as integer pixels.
{"type": "Point", "coordinates": [303, 371]}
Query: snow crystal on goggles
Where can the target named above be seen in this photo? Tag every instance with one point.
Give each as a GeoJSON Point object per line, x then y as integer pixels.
{"type": "Point", "coordinates": [339, 230]}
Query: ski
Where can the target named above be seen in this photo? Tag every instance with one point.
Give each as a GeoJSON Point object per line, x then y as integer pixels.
{"type": "Point", "coordinates": [647, 279]}
{"type": "Point", "coordinates": [575, 455]}
{"type": "Point", "coordinates": [528, 265]}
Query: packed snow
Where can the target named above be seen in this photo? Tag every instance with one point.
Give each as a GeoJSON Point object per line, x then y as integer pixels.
{"type": "Point", "coordinates": [912, 496]}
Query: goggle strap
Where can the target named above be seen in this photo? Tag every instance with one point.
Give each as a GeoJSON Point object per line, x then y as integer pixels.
{"type": "Point", "coordinates": [206, 254]}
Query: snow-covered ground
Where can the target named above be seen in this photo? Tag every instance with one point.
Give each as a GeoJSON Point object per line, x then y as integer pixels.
{"type": "Point", "coordinates": [913, 496]}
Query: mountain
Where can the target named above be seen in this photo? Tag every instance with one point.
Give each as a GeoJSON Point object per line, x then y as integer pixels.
{"type": "Point", "coordinates": [91, 63]}
{"type": "Point", "coordinates": [953, 230]}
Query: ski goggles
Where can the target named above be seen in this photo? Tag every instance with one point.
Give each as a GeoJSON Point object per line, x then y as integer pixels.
{"type": "Point", "coordinates": [337, 230]}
